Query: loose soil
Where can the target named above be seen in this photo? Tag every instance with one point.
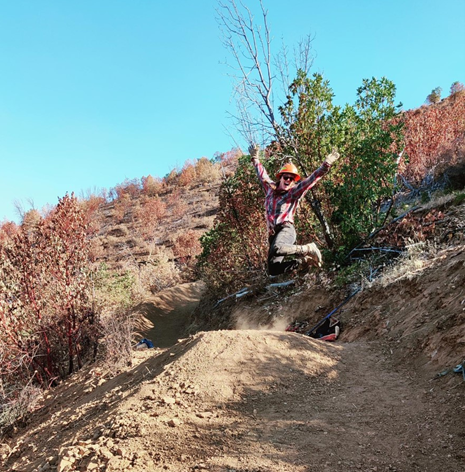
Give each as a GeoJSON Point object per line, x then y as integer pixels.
{"type": "Point", "coordinates": [263, 399]}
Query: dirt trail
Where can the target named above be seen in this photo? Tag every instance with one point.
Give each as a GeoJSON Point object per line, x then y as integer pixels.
{"type": "Point", "coordinates": [249, 401]}
{"type": "Point", "coordinates": [270, 401]}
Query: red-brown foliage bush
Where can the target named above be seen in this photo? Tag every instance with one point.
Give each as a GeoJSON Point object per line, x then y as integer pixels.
{"type": "Point", "coordinates": [433, 134]}
{"type": "Point", "coordinates": [231, 158]}
{"type": "Point", "coordinates": [151, 212]}
{"type": "Point", "coordinates": [123, 207]}
{"type": "Point", "coordinates": [171, 179]}
{"type": "Point", "coordinates": [456, 87]}
{"type": "Point", "coordinates": [47, 323]}
{"type": "Point", "coordinates": [187, 246]}
{"type": "Point", "coordinates": [129, 187]}
{"type": "Point", "coordinates": [7, 230]}
{"type": "Point", "coordinates": [30, 220]}
{"type": "Point", "coordinates": [206, 171]}
{"type": "Point", "coordinates": [412, 228]}
{"type": "Point", "coordinates": [177, 206]}
{"type": "Point", "coordinates": [152, 186]}
{"type": "Point", "coordinates": [187, 174]}
{"type": "Point", "coordinates": [91, 204]}
{"type": "Point", "coordinates": [90, 207]}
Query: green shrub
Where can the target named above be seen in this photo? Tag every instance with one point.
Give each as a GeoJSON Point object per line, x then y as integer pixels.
{"type": "Point", "coordinates": [434, 96]}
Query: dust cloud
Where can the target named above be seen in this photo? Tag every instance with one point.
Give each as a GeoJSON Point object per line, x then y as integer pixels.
{"type": "Point", "coordinates": [248, 320]}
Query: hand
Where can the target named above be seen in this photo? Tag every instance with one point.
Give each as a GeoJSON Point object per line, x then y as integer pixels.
{"type": "Point", "coordinates": [332, 158]}
{"type": "Point", "coordinates": [253, 151]}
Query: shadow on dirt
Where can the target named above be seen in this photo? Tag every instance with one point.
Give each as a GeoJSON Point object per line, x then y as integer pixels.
{"type": "Point", "coordinates": [163, 319]}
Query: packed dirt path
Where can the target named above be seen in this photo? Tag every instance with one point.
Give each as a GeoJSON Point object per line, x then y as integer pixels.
{"type": "Point", "coordinates": [249, 401]}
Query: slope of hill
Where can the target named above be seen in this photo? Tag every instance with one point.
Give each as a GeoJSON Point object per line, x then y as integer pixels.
{"type": "Point", "coordinates": [123, 238]}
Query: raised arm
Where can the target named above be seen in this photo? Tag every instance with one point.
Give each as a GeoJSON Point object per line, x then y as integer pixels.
{"type": "Point", "coordinates": [306, 184]}
{"type": "Point", "coordinates": [262, 174]}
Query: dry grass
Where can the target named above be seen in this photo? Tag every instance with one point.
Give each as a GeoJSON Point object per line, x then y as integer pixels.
{"type": "Point", "coordinates": [417, 257]}
{"type": "Point", "coordinates": [17, 402]}
{"type": "Point", "coordinates": [419, 254]}
{"type": "Point", "coordinates": [439, 200]}
{"type": "Point", "coordinates": [117, 339]}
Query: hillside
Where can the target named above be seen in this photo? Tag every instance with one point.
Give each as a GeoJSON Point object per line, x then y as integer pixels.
{"type": "Point", "coordinates": [227, 389]}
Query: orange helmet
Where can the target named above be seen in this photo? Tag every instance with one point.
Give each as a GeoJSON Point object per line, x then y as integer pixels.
{"type": "Point", "coordinates": [289, 168]}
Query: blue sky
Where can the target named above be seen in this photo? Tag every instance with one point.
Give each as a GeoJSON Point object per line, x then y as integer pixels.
{"type": "Point", "coordinates": [93, 92]}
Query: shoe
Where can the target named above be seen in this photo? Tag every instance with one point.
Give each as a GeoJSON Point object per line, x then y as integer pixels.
{"type": "Point", "coordinates": [305, 263]}
{"type": "Point", "coordinates": [314, 253]}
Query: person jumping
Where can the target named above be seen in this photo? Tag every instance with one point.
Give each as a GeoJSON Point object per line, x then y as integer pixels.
{"type": "Point", "coordinates": [281, 202]}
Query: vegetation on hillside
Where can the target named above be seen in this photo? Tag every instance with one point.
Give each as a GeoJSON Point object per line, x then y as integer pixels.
{"type": "Point", "coordinates": [48, 324]}
{"type": "Point", "coordinates": [384, 151]}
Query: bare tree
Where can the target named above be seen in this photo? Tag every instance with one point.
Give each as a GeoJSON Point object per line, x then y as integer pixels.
{"type": "Point", "coordinates": [256, 69]}
{"type": "Point", "coordinates": [21, 210]}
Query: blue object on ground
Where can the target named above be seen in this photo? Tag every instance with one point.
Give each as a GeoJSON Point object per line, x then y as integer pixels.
{"type": "Point", "coordinates": [145, 341]}
{"type": "Point", "coordinates": [460, 368]}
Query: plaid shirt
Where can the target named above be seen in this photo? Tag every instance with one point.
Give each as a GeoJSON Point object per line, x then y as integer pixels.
{"type": "Point", "coordinates": [281, 207]}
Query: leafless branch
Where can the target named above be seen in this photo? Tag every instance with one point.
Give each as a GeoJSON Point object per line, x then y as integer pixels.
{"type": "Point", "coordinates": [255, 70]}
{"type": "Point", "coordinates": [303, 60]}
{"type": "Point", "coordinates": [250, 45]}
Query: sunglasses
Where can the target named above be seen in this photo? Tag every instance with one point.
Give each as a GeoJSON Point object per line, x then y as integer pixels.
{"type": "Point", "coordinates": [288, 177]}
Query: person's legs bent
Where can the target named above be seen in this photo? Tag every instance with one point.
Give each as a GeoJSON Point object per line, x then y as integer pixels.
{"type": "Point", "coordinates": [283, 244]}
{"type": "Point", "coordinates": [284, 238]}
